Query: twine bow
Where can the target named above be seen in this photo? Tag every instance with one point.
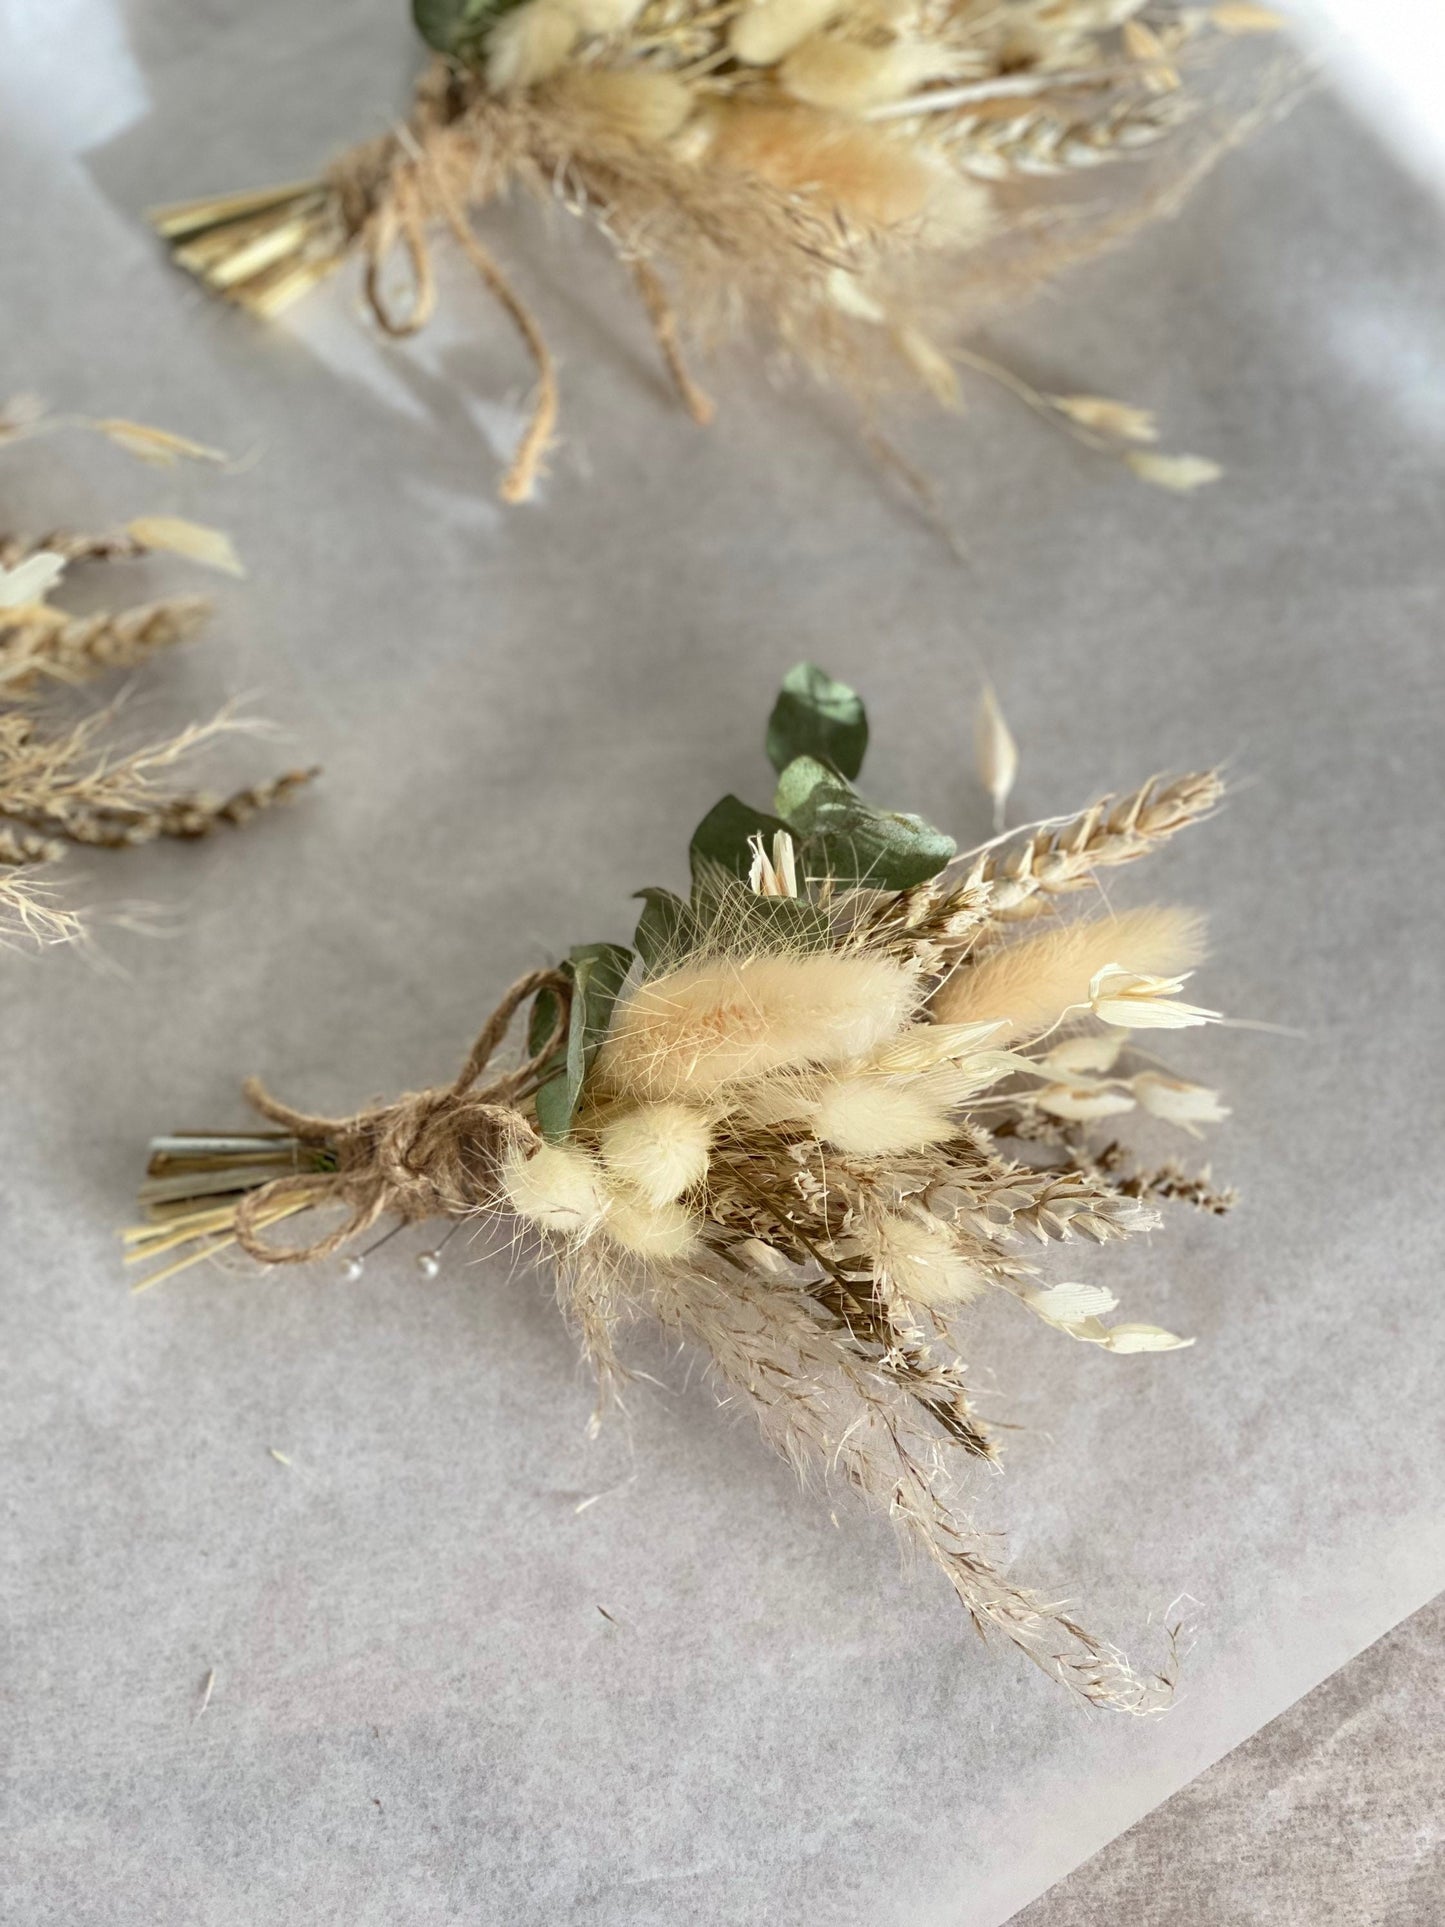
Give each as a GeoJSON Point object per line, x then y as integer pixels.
{"type": "Point", "coordinates": [429, 1154]}
{"type": "Point", "coordinates": [386, 193]}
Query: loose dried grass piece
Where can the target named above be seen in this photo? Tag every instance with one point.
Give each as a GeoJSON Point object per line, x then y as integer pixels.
{"type": "Point", "coordinates": [69, 780]}
{"type": "Point", "coordinates": [997, 753]}
{"type": "Point", "coordinates": [53, 647]}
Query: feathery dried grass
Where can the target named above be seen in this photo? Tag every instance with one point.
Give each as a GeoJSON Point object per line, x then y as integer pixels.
{"type": "Point", "coordinates": [70, 780]}
{"type": "Point", "coordinates": [1032, 985]}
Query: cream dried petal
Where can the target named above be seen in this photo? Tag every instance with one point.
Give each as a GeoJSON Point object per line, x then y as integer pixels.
{"type": "Point", "coordinates": [1177, 1101]}
{"type": "Point", "coordinates": [1143, 1338]}
{"type": "Point", "coordinates": [1065, 1304]}
{"type": "Point", "coordinates": [996, 752]}
{"type": "Point", "coordinates": [30, 580]}
{"type": "Point", "coordinates": [1180, 473]}
{"type": "Point", "coordinates": [1098, 1052]}
{"type": "Point", "coordinates": [212, 548]}
{"type": "Point", "coordinates": [1136, 1002]}
{"type": "Point", "coordinates": [1081, 1103]}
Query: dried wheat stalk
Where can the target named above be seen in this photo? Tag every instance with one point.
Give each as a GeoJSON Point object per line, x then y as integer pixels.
{"type": "Point", "coordinates": [834, 1097]}
{"type": "Point", "coordinates": [68, 780]}
{"type": "Point", "coordinates": [856, 181]}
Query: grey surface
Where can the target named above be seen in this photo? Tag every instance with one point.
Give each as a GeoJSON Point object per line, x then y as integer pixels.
{"type": "Point", "coordinates": [419, 1712]}
{"type": "Point", "coordinates": [1333, 1815]}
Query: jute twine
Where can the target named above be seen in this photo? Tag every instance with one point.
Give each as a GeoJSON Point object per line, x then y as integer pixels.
{"type": "Point", "coordinates": [388, 191]}
{"type": "Point", "coordinates": [435, 1153]}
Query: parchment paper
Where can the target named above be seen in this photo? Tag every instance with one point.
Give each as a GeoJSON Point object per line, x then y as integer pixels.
{"type": "Point", "coordinates": [419, 1711]}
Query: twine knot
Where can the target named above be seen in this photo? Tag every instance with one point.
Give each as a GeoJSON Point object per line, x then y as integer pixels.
{"type": "Point", "coordinates": [434, 1153]}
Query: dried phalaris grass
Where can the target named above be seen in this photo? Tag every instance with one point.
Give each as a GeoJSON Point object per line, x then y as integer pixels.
{"type": "Point", "coordinates": [855, 182]}
{"type": "Point", "coordinates": [69, 778]}
{"type": "Point", "coordinates": [824, 1103]}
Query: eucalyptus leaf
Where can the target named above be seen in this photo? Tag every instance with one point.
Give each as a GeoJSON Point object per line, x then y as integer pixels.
{"type": "Point", "coordinates": [721, 839]}
{"type": "Point", "coordinates": [853, 840]}
{"type": "Point", "coordinates": [816, 716]}
{"type": "Point", "coordinates": [457, 27]}
{"type": "Point", "coordinates": [666, 930]}
{"type": "Point", "coordinates": [780, 923]}
{"type": "Point", "coordinates": [598, 971]}
{"type": "Point", "coordinates": [554, 1100]}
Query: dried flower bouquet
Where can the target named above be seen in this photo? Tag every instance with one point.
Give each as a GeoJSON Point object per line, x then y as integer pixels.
{"type": "Point", "coordinates": [855, 180]}
{"type": "Point", "coordinates": [846, 1086]}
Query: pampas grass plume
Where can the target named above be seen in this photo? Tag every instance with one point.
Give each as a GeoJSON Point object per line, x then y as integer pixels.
{"type": "Point", "coordinates": [727, 1020]}
{"type": "Point", "coordinates": [1028, 986]}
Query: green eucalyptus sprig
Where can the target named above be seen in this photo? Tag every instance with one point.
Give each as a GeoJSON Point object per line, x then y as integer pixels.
{"type": "Point", "coordinates": [816, 740]}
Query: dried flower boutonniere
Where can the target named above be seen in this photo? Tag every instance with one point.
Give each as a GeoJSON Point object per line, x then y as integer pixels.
{"type": "Point", "coordinates": [847, 1085]}
{"type": "Point", "coordinates": [857, 182]}
{"type": "Point", "coordinates": [68, 779]}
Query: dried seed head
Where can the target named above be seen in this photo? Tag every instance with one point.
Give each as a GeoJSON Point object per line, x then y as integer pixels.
{"type": "Point", "coordinates": [661, 1233]}
{"type": "Point", "coordinates": [1136, 1002]}
{"type": "Point", "coordinates": [920, 1261]}
{"type": "Point", "coordinates": [762, 34]}
{"type": "Point", "coordinates": [210, 547]}
{"type": "Point", "coordinates": [1030, 985]}
{"type": "Point", "coordinates": [659, 1151]}
{"type": "Point", "coordinates": [558, 1188]}
{"type": "Point", "coordinates": [645, 108]}
{"type": "Point", "coordinates": [529, 44]}
{"type": "Point", "coordinates": [872, 1117]}
{"type": "Point", "coordinates": [725, 1021]}
{"type": "Point", "coordinates": [861, 174]}
{"type": "Point", "coordinates": [847, 76]}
